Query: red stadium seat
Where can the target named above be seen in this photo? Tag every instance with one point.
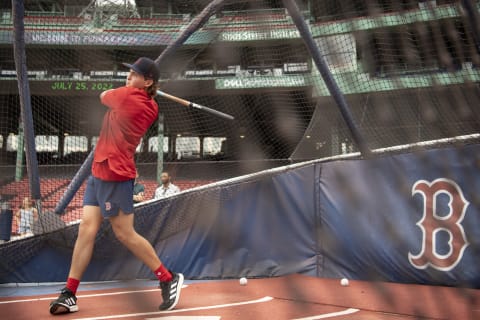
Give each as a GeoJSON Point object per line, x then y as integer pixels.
{"type": "Point", "coordinates": [39, 21]}
{"type": "Point", "coordinates": [52, 190]}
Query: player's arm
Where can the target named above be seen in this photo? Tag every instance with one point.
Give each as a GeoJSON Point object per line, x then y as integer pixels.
{"type": "Point", "coordinates": [104, 93]}
{"type": "Point", "coordinates": [114, 98]}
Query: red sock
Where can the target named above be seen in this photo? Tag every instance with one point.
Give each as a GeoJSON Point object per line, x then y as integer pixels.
{"type": "Point", "coordinates": [163, 274]}
{"type": "Point", "coordinates": [72, 285]}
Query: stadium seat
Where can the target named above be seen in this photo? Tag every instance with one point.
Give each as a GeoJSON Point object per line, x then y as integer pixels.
{"type": "Point", "coordinates": [150, 22]}
{"type": "Point", "coordinates": [53, 21]}
{"type": "Point", "coordinates": [159, 24]}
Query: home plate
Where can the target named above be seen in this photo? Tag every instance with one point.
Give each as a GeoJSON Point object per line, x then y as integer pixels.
{"type": "Point", "coordinates": [186, 318]}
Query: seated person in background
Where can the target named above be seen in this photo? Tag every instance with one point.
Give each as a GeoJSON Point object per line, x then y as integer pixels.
{"type": "Point", "coordinates": [167, 188]}
{"type": "Point", "coordinates": [138, 191]}
{"type": "Point", "coordinates": [25, 216]}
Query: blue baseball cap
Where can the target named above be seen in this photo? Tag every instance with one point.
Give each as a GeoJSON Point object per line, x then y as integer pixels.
{"type": "Point", "coordinates": [146, 67]}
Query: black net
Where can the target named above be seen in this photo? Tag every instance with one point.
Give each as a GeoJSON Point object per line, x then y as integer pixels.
{"type": "Point", "coordinates": [75, 52]}
{"type": "Point", "coordinates": [409, 71]}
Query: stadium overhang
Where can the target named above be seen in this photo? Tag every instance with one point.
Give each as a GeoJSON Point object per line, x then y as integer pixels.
{"type": "Point", "coordinates": [57, 2]}
{"type": "Point", "coordinates": [177, 6]}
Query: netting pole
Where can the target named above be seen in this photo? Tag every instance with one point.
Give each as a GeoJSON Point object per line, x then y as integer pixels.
{"type": "Point", "coordinates": [160, 147]}
{"type": "Point", "coordinates": [473, 17]}
{"type": "Point", "coordinates": [193, 26]}
{"type": "Point", "coordinates": [327, 76]}
{"type": "Point", "coordinates": [75, 184]}
{"type": "Point", "coordinates": [18, 11]}
{"type": "Point", "coordinates": [85, 169]}
{"type": "Point", "coordinates": [19, 162]}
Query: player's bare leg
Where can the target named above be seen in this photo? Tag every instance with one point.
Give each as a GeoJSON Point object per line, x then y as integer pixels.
{"type": "Point", "coordinates": [122, 226]}
{"type": "Point", "coordinates": [82, 254]}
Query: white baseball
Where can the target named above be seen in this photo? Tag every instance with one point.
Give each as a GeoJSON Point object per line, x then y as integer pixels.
{"type": "Point", "coordinates": [344, 282]}
{"type": "Point", "coordinates": [243, 281]}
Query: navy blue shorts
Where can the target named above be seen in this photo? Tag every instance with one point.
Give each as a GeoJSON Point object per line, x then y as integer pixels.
{"type": "Point", "coordinates": [110, 196]}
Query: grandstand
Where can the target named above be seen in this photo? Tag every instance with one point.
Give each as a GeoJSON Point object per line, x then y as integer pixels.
{"type": "Point", "coordinates": [402, 64]}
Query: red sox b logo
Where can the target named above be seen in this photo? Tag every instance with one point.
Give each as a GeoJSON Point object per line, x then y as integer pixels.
{"type": "Point", "coordinates": [432, 223]}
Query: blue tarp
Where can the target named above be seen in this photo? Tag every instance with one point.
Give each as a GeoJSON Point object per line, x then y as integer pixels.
{"type": "Point", "coordinates": [361, 219]}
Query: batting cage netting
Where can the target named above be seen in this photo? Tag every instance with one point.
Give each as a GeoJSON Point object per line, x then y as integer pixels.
{"type": "Point", "coordinates": [349, 145]}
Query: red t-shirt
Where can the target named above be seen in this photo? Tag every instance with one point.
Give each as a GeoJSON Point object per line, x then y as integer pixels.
{"type": "Point", "coordinates": [131, 112]}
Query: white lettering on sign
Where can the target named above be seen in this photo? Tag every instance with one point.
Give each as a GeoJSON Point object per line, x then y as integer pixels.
{"type": "Point", "coordinates": [261, 82]}
{"type": "Point", "coordinates": [259, 35]}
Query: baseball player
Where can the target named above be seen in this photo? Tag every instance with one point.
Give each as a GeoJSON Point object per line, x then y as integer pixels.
{"type": "Point", "coordinates": [131, 111]}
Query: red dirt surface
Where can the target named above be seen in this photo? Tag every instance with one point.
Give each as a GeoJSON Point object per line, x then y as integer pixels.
{"type": "Point", "coordinates": [292, 297]}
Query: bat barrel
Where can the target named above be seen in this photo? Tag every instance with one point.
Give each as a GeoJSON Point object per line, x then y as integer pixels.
{"type": "Point", "coordinates": [195, 105]}
{"type": "Point", "coordinates": [213, 111]}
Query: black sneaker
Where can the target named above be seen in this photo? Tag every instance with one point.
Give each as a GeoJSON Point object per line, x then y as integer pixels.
{"type": "Point", "coordinates": [65, 303]}
{"type": "Point", "coordinates": [171, 291]}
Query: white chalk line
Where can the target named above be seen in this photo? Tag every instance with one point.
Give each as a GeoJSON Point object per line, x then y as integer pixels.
{"type": "Point", "coordinates": [187, 318]}
{"type": "Point", "coordinates": [330, 315]}
{"type": "Point", "coordinates": [264, 299]}
{"type": "Point", "coordinates": [227, 305]}
{"type": "Point", "coordinates": [85, 295]}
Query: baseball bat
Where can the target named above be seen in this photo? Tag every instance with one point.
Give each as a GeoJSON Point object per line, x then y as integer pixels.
{"type": "Point", "coordinates": [187, 103]}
